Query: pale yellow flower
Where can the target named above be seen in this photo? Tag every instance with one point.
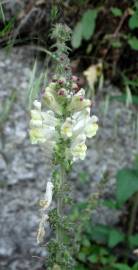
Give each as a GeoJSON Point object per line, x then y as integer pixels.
{"type": "Point", "coordinates": [66, 128]}
{"type": "Point", "coordinates": [78, 103]}
{"type": "Point", "coordinates": [51, 103]}
{"type": "Point", "coordinates": [93, 73]}
{"type": "Point", "coordinates": [92, 127]}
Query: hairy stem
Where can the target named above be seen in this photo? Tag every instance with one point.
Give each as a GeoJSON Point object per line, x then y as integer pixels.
{"type": "Point", "coordinates": [59, 233]}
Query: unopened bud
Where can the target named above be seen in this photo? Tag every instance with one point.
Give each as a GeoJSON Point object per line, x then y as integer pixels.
{"type": "Point", "coordinates": [81, 98]}
{"type": "Point", "coordinates": [74, 78]}
{"type": "Point", "coordinates": [61, 92]}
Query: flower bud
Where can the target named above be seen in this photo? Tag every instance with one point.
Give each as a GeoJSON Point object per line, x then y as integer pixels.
{"type": "Point", "coordinates": [62, 80]}
{"type": "Point", "coordinates": [37, 105]}
{"type": "Point", "coordinates": [62, 92]}
{"type": "Point", "coordinates": [78, 104]}
{"type": "Point", "coordinates": [51, 102]}
{"type": "Point", "coordinates": [74, 78]}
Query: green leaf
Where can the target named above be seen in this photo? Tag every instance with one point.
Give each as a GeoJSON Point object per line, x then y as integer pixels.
{"type": "Point", "coordinates": [82, 256]}
{"type": "Point", "coordinates": [122, 98]}
{"type": "Point", "coordinates": [112, 204]}
{"type": "Point", "coordinates": [121, 266]}
{"type": "Point", "coordinates": [100, 233]}
{"type": "Point", "coordinates": [88, 23]}
{"type": "Point", "coordinates": [135, 266]}
{"type": "Point", "coordinates": [2, 15]}
{"type": "Point", "coordinates": [93, 258]}
{"type": "Point", "coordinates": [80, 267]}
{"type": "Point", "coordinates": [84, 177]}
{"type": "Point", "coordinates": [136, 162]}
{"type": "Point", "coordinates": [127, 184]}
{"type": "Point", "coordinates": [116, 44]}
{"type": "Point", "coordinates": [133, 240]}
{"type": "Point", "coordinates": [77, 35]}
{"type": "Point", "coordinates": [115, 237]}
{"type": "Point", "coordinates": [117, 12]}
{"type": "Point", "coordinates": [133, 21]}
{"type": "Point", "coordinates": [133, 42]}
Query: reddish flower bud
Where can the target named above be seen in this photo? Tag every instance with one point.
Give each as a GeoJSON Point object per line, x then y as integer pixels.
{"type": "Point", "coordinates": [62, 58]}
{"type": "Point", "coordinates": [61, 92]}
{"type": "Point", "coordinates": [54, 80]}
{"type": "Point", "coordinates": [76, 89]}
{"type": "Point", "coordinates": [81, 98]}
{"type": "Point", "coordinates": [74, 78]}
{"type": "Point", "coordinates": [60, 81]}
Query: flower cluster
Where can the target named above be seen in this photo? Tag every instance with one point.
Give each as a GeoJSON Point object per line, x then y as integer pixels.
{"type": "Point", "coordinates": [61, 122]}
{"type": "Point", "coordinates": [67, 118]}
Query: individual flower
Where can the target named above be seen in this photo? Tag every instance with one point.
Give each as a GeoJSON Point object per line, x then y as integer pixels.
{"type": "Point", "coordinates": [42, 126]}
{"type": "Point", "coordinates": [51, 102]}
{"type": "Point", "coordinates": [66, 128]}
{"type": "Point", "coordinates": [78, 148]}
{"type": "Point", "coordinates": [91, 127]}
{"type": "Point", "coordinates": [93, 73]}
{"type": "Point", "coordinates": [78, 103]}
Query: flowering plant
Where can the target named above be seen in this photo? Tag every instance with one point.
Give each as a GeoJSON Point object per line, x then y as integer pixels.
{"type": "Point", "coordinates": [61, 122]}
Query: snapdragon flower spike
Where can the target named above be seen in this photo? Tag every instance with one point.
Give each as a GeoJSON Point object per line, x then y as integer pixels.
{"type": "Point", "coordinates": [43, 125]}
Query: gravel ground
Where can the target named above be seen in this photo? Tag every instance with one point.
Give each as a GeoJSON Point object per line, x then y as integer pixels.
{"type": "Point", "coordinates": [24, 168]}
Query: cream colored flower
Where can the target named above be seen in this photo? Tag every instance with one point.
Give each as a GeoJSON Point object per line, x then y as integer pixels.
{"type": "Point", "coordinates": [66, 128]}
{"type": "Point", "coordinates": [37, 105]}
{"type": "Point", "coordinates": [37, 135]}
{"type": "Point", "coordinates": [51, 102]}
{"type": "Point", "coordinates": [78, 148]}
{"type": "Point", "coordinates": [36, 115]}
{"type": "Point", "coordinates": [92, 74]}
{"type": "Point", "coordinates": [91, 127]}
{"type": "Point", "coordinates": [81, 93]}
{"type": "Point", "coordinates": [78, 103]}
{"type": "Point", "coordinates": [79, 151]}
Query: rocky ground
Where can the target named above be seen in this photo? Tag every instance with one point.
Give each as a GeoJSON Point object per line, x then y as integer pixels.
{"type": "Point", "coordinates": [24, 169]}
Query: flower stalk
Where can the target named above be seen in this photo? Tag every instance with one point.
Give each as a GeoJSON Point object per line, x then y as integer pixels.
{"type": "Point", "coordinates": [61, 122]}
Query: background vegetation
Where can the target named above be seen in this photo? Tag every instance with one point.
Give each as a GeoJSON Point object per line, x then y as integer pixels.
{"type": "Point", "coordinates": [105, 32]}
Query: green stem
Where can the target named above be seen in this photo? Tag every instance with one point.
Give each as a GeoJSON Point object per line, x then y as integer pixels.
{"type": "Point", "coordinates": [131, 225]}
{"type": "Point", "coordinates": [133, 216]}
{"type": "Point", "coordinates": [59, 233]}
